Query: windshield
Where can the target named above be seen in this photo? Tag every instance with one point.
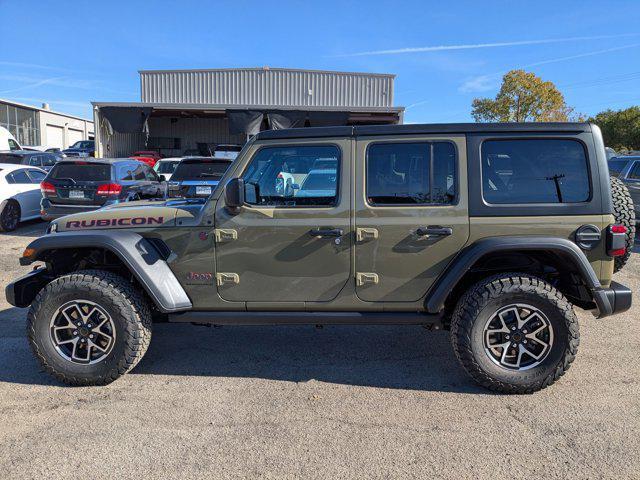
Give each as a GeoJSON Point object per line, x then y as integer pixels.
{"type": "Point", "coordinates": [81, 172]}
{"type": "Point", "coordinates": [167, 167]}
{"type": "Point", "coordinates": [82, 144]}
{"type": "Point", "coordinates": [195, 170]}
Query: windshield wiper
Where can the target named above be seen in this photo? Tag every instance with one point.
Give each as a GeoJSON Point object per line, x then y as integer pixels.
{"type": "Point", "coordinates": [209, 175]}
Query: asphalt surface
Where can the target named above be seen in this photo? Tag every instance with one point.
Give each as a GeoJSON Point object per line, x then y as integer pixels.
{"type": "Point", "coordinates": [340, 402]}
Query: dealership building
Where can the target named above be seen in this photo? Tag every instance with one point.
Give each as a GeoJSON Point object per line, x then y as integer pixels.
{"type": "Point", "coordinates": [35, 126]}
{"type": "Point", "coordinates": [190, 110]}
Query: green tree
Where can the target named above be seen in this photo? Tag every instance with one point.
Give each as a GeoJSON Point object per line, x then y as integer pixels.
{"type": "Point", "coordinates": [523, 97]}
{"type": "Point", "coordinates": [620, 129]}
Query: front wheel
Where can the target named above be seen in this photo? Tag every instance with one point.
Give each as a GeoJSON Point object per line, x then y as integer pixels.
{"type": "Point", "coordinates": [514, 333]}
{"type": "Point", "coordinates": [89, 327]}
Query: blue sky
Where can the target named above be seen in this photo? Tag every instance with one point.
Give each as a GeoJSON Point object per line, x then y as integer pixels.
{"type": "Point", "coordinates": [444, 53]}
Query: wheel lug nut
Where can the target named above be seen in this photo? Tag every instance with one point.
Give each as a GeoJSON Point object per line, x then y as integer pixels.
{"type": "Point", "coordinates": [514, 345]}
{"type": "Point", "coordinates": [524, 331]}
{"type": "Point", "coordinates": [83, 340]}
{"type": "Point", "coordinates": [507, 337]}
{"type": "Point", "coordinates": [89, 325]}
{"type": "Point", "coordinates": [524, 341]}
{"type": "Point", "coordinates": [91, 336]}
{"type": "Point", "coordinates": [75, 332]}
{"type": "Point", "coordinates": [79, 324]}
{"type": "Point", "coordinates": [513, 328]}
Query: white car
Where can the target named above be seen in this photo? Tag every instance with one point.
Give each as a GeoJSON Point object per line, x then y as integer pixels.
{"type": "Point", "coordinates": [19, 194]}
{"type": "Point", "coordinates": [8, 141]}
{"type": "Point", "coordinates": [166, 166]}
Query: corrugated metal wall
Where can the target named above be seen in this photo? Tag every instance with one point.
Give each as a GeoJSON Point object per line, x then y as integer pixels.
{"type": "Point", "coordinates": [118, 145]}
{"type": "Point", "coordinates": [267, 87]}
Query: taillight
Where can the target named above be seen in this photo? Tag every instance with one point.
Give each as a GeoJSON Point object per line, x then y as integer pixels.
{"type": "Point", "coordinates": [109, 189]}
{"type": "Point", "coordinates": [47, 188]}
{"type": "Point", "coordinates": [617, 240]}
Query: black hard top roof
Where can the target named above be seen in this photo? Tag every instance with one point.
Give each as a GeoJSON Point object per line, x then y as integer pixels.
{"type": "Point", "coordinates": [428, 128]}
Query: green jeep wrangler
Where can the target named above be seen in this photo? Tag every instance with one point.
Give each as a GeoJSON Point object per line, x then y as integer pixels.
{"type": "Point", "coordinates": [493, 231]}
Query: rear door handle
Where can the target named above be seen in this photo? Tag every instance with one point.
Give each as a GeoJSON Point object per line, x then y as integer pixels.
{"type": "Point", "coordinates": [326, 232]}
{"type": "Point", "coordinates": [434, 231]}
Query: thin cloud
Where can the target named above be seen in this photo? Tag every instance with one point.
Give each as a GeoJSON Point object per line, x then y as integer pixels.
{"type": "Point", "coordinates": [473, 46]}
{"type": "Point", "coordinates": [416, 104]}
{"type": "Point", "coordinates": [31, 65]}
{"type": "Point", "coordinates": [488, 81]}
{"type": "Point", "coordinates": [66, 103]}
{"type": "Point", "coordinates": [45, 81]}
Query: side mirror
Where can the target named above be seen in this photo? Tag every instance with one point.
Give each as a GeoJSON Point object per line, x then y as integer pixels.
{"type": "Point", "coordinates": [162, 178]}
{"type": "Point", "coordinates": [234, 193]}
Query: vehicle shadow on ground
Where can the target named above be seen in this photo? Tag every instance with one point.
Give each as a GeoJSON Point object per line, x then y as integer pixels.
{"type": "Point", "coordinates": [30, 228]}
{"type": "Point", "coordinates": [398, 357]}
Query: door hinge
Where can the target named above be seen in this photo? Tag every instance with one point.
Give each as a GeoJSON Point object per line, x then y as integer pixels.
{"type": "Point", "coordinates": [223, 278]}
{"type": "Point", "coordinates": [225, 235]}
{"type": "Point", "coordinates": [363, 278]}
{"type": "Point", "coordinates": [363, 234]}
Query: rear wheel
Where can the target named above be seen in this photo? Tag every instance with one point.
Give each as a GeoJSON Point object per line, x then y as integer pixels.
{"type": "Point", "coordinates": [514, 333]}
{"type": "Point", "coordinates": [9, 215]}
{"type": "Point", "coordinates": [89, 327]}
{"type": "Point", "coordinates": [624, 213]}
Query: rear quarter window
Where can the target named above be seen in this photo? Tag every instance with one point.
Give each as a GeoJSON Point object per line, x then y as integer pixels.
{"type": "Point", "coordinates": [534, 171]}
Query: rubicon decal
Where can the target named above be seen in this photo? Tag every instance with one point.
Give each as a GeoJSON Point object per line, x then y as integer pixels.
{"type": "Point", "coordinates": [115, 222]}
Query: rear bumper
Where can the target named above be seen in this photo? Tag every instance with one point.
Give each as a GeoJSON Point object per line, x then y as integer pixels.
{"type": "Point", "coordinates": [50, 211]}
{"type": "Point", "coordinates": [615, 299]}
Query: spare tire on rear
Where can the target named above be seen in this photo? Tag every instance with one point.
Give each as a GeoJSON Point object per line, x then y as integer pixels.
{"type": "Point", "coordinates": [624, 214]}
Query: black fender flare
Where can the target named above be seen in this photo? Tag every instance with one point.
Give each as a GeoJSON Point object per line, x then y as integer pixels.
{"type": "Point", "coordinates": [565, 248]}
{"type": "Point", "coordinates": [138, 254]}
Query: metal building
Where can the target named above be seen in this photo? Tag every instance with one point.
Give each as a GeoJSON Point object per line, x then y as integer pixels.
{"type": "Point", "coordinates": [184, 110]}
{"type": "Point", "coordinates": [35, 126]}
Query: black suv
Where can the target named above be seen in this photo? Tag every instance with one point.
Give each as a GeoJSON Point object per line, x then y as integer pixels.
{"type": "Point", "coordinates": [197, 177]}
{"type": "Point", "coordinates": [74, 186]}
{"type": "Point", "coordinates": [43, 160]}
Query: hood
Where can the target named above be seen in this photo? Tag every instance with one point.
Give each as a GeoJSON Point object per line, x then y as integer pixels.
{"type": "Point", "coordinates": [133, 215]}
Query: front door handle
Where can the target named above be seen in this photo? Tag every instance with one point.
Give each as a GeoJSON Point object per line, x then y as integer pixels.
{"type": "Point", "coordinates": [326, 232]}
{"type": "Point", "coordinates": [434, 231]}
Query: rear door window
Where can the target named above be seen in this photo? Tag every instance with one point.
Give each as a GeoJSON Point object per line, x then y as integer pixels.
{"type": "Point", "coordinates": [81, 171]}
{"type": "Point", "coordinates": [530, 171]}
{"type": "Point", "coordinates": [634, 174]}
{"type": "Point", "coordinates": [411, 173]}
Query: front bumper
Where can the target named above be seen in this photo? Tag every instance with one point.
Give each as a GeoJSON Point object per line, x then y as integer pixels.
{"type": "Point", "coordinates": [21, 292]}
{"type": "Point", "coordinates": [615, 299]}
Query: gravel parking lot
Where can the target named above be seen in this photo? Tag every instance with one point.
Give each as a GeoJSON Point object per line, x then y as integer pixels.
{"type": "Point", "coordinates": [337, 402]}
